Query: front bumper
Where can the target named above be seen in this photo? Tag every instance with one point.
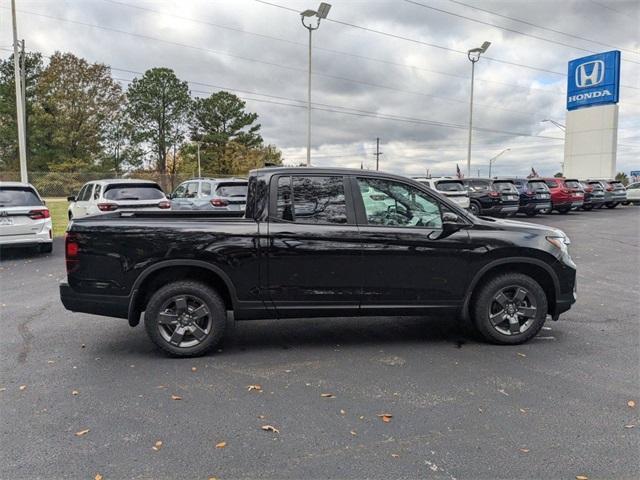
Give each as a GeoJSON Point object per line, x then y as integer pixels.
{"type": "Point", "coordinates": [107, 305]}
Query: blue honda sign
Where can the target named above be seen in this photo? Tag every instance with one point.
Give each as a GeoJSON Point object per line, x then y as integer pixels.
{"type": "Point", "coordinates": [593, 80]}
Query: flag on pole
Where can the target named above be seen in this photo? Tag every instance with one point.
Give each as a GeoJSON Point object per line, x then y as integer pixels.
{"type": "Point", "coordinates": [533, 173]}
{"type": "Point", "coordinates": [458, 172]}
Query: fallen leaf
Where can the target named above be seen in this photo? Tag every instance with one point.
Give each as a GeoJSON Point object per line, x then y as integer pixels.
{"type": "Point", "coordinates": [361, 417]}
{"type": "Point", "coordinates": [176, 397]}
{"type": "Point", "coordinates": [257, 388]}
{"type": "Point", "coordinates": [193, 369]}
{"type": "Point", "coordinates": [221, 445]}
{"type": "Point", "coordinates": [82, 432]}
{"type": "Point", "coordinates": [353, 433]}
{"type": "Point", "coordinates": [261, 417]}
{"type": "Point", "coordinates": [22, 387]}
{"type": "Point", "coordinates": [327, 395]}
{"type": "Point", "coordinates": [524, 450]}
{"type": "Point", "coordinates": [582, 477]}
{"type": "Point", "coordinates": [161, 386]}
{"type": "Point", "coordinates": [386, 417]}
{"type": "Point", "coordinates": [395, 455]}
{"type": "Point", "coordinates": [629, 426]}
{"type": "Point", "coordinates": [157, 446]}
{"type": "Point", "coordinates": [521, 354]}
{"type": "Point", "coordinates": [631, 404]}
{"type": "Point", "coordinates": [2, 389]}
{"type": "Point", "coordinates": [75, 392]}
{"type": "Point", "coordinates": [342, 412]}
{"type": "Point", "coordinates": [82, 346]}
{"type": "Point", "coordinates": [522, 410]}
{"type": "Point", "coordinates": [97, 477]}
{"type": "Point", "coordinates": [270, 428]}
{"type": "Point", "coordinates": [503, 392]}
{"type": "Point", "coordinates": [51, 361]}
{"type": "Point", "coordinates": [212, 478]}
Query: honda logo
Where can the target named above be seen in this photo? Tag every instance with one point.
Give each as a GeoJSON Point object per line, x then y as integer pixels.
{"type": "Point", "coordinates": [590, 74]}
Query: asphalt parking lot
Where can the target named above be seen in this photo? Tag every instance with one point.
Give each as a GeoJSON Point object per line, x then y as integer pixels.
{"type": "Point", "coordinates": [556, 407]}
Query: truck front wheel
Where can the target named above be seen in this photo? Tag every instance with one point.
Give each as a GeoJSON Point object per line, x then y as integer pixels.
{"type": "Point", "coordinates": [185, 318]}
{"type": "Point", "coordinates": [510, 309]}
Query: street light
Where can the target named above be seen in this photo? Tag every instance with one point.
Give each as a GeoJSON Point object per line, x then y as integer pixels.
{"type": "Point", "coordinates": [198, 143]}
{"type": "Point", "coordinates": [322, 12]}
{"type": "Point", "coordinates": [474, 56]}
{"type": "Point", "coordinates": [491, 160]}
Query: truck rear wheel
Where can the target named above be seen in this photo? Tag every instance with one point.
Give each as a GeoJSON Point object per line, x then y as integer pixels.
{"type": "Point", "coordinates": [510, 309]}
{"type": "Point", "coordinates": [185, 318]}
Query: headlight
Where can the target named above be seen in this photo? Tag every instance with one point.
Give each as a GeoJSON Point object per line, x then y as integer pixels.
{"type": "Point", "coordinates": [560, 242]}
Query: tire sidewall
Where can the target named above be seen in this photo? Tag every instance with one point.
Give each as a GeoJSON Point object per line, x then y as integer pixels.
{"type": "Point", "coordinates": [209, 296]}
{"type": "Point", "coordinates": [474, 207]}
{"type": "Point", "coordinates": [484, 299]}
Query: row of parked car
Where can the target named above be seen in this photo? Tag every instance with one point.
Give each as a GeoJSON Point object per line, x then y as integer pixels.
{"type": "Point", "coordinates": [531, 196]}
{"type": "Point", "coordinates": [25, 219]}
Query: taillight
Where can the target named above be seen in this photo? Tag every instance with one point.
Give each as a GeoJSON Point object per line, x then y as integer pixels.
{"type": "Point", "coordinates": [39, 214]}
{"type": "Point", "coordinates": [530, 192]}
{"type": "Point", "coordinates": [164, 204]}
{"type": "Point", "coordinates": [218, 202]}
{"type": "Point", "coordinates": [71, 249]}
{"type": "Point", "coordinates": [565, 191]}
{"type": "Point", "coordinates": [107, 207]}
{"type": "Point", "coordinates": [609, 188]}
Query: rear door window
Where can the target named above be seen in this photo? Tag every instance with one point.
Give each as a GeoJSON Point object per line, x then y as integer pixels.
{"type": "Point", "coordinates": [18, 197]}
{"type": "Point", "coordinates": [128, 191]}
{"type": "Point", "coordinates": [573, 184]}
{"type": "Point", "coordinates": [538, 187]}
{"type": "Point", "coordinates": [551, 183]}
{"type": "Point", "coordinates": [85, 193]}
{"type": "Point", "coordinates": [312, 200]}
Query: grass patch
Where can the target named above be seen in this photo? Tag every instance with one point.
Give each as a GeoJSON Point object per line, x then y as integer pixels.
{"type": "Point", "coordinates": [58, 208]}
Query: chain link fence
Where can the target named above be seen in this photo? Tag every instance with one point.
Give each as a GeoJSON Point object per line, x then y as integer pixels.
{"type": "Point", "coordinates": [65, 184]}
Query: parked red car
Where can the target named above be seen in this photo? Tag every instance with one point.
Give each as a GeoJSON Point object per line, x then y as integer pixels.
{"type": "Point", "coordinates": [564, 197]}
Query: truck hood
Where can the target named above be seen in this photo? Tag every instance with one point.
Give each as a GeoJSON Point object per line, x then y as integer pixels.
{"type": "Point", "coordinates": [515, 225]}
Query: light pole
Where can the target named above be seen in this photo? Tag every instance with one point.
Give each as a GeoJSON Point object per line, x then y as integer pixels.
{"type": "Point", "coordinates": [491, 160]}
{"type": "Point", "coordinates": [322, 12]}
{"type": "Point", "coordinates": [561, 127]}
{"type": "Point", "coordinates": [474, 56]}
{"type": "Point", "coordinates": [198, 147]}
{"type": "Point", "coordinates": [20, 102]}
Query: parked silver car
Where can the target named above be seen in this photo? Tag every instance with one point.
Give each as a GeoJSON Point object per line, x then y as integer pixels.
{"type": "Point", "coordinates": [217, 194]}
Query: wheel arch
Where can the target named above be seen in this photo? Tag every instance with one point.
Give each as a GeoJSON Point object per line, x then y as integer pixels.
{"type": "Point", "coordinates": [172, 270]}
{"type": "Point", "coordinates": [533, 267]}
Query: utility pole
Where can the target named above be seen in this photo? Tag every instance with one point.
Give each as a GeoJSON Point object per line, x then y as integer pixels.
{"type": "Point", "coordinates": [23, 83]}
{"type": "Point", "coordinates": [378, 153]}
{"type": "Point", "coordinates": [22, 141]}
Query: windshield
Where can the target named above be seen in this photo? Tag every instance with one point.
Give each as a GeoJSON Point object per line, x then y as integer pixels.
{"type": "Point", "coordinates": [146, 191]}
{"type": "Point", "coordinates": [232, 190]}
{"type": "Point", "coordinates": [449, 186]}
{"type": "Point", "coordinates": [505, 187]}
{"type": "Point", "coordinates": [18, 197]}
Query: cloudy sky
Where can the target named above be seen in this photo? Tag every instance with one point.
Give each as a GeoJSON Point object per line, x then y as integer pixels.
{"type": "Point", "coordinates": [392, 69]}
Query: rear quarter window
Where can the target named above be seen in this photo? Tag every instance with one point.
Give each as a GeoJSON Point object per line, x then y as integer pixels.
{"type": "Point", "coordinates": [551, 183]}
{"type": "Point", "coordinates": [232, 190]}
{"type": "Point", "coordinates": [446, 186]}
{"type": "Point", "coordinates": [504, 187]}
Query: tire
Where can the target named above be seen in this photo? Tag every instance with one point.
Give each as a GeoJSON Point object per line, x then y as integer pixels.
{"type": "Point", "coordinates": [501, 330]}
{"type": "Point", "coordinates": [474, 207]}
{"type": "Point", "coordinates": [46, 247]}
{"type": "Point", "coordinates": [166, 323]}
{"type": "Point", "coordinates": [612, 204]}
{"type": "Point", "coordinates": [587, 208]}
{"type": "Point", "coordinates": [626, 203]}
{"type": "Point", "coordinates": [531, 214]}
{"type": "Point", "coordinates": [564, 211]}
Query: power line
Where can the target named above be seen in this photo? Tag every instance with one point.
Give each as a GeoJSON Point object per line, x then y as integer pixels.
{"type": "Point", "coordinates": [329, 50]}
{"type": "Point", "coordinates": [541, 27]}
{"type": "Point", "coordinates": [272, 64]}
{"type": "Point", "coordinates": [420, 42]}
{"type": "Point", "coordinates": [476, 20]}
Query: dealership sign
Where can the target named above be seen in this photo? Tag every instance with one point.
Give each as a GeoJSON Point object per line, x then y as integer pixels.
{"type": "Point", "coordinates": [593, 80]}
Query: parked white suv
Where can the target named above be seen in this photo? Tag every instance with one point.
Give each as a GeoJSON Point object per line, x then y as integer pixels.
{"type": "Point", "coordinates": [103, 196]}
{"type": "Point", "coordinates": [24, 218]}
{"type": "Point", "coordinates": [450, 187]}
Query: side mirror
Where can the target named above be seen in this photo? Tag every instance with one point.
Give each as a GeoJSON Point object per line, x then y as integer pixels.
{"type": "Point", "coordinates": [71, 198]}
{"type": "Point", "coordinates": [170, 196]}
{"type": "Point", "coordinates": [451, 224]}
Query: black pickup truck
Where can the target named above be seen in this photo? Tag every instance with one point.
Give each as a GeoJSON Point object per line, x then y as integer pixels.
{"type": "Point", "coordinates": [317, 242]}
